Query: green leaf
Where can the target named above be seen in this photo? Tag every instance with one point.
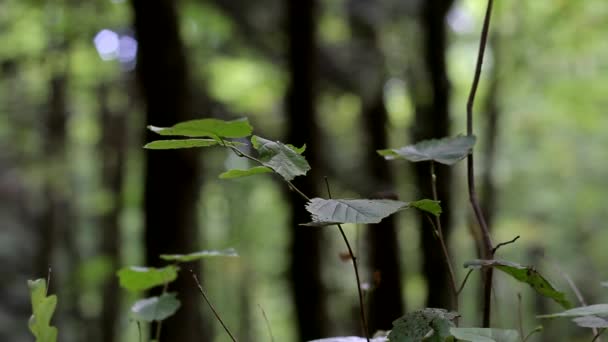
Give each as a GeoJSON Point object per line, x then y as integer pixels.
{"type": "Point", "coordinates": [135, 278]}
{"type": "Point", "coordinates": [332, 211]}
{"type": "Point", "coordinates": [298, 150]}
{"type": "Point", "coordinates": [155, 308]}
{"type": "Point", "coordinates": [485, 335]}
{"type": "Point", "coordinates": [230, 252]}
{"type": "Point", "coordinates": [280, 157]}
{"type": "Point", "coordinates": [591, 322]}
{"type": "Point", "coordinates": [213, 128]}
{"type": "Point", "coordinates": [236, 173]}
{"type": "Point", "coordinates": [350, 339]}
{"type": "Point", "coordinates": [426, 323]}
{"type": "Point", "coordinates": [180, 143]}
{"type": "Point", "coordinates": [428, 205]}
{"type": "Point", "coordinates": [43, 308]}
{"type": "Point", "coordinates": [445, 151]}
{"type": "Point", "coordinates": [526, 275]}
{"type": "Point", "coordinates": [596, 309]}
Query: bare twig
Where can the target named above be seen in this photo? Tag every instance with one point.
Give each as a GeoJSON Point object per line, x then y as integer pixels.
{"type": "Point", "coordinates": [504, 244]}
{"type": "Point", "coordinates": [267, 323]}
{"type": "Point", "coordinates": [597, 336]}
{"type": "Point", "coordinates": [217, 315]}
{"type": "Point", "coordinates": [537, 329]}
{"type": "Point", "coordinates": [354, 260]}
{"type": "Point", "coordinates": [48, 281]}
{"type": "Point", "coordinates": [139, 331]}
{"type": "Point", "coordinates": [464, 281]}
{"type": "Point", "coordinates": [520, 318]}
{"type": "Point", "coordinates": [488, 247]}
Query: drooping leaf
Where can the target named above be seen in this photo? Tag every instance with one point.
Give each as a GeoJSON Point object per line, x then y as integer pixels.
{"type": "Point", "coordinates": [445, 151]}
{"type": "Point", "coordinates": [43, 307]}
{"type": "Point", "coordinates": [420, 324]}
{"type": "Point", "coordinates": [180, 143]}
{"type": "Point", "coordinates": [331, 211]}
{"type": "Point", "coordinates": [427, 205]}
{"type": "Point", "coordinates": [135, 278]}
{"type": "Point", "coordinates": [485, 335]}
{"type": "Point", "coordinates": [155, 308]}
{"type": "Point", "coordinates": [235, 173]}
{"type": "Point", "coordinates": [212, 128]}
{"type": "Point", "coordinates": [280, 157]}
{"type": "Point", "coordinates": [525, 274]}
{"type": "Point", "coordinates": [230, 252]}
{"type": "Point", "coordinates": [350, 339]}
{"type": "Point", "coordinates": [596, 309]}
{"type": "Point", "coordinates": [591, 322]}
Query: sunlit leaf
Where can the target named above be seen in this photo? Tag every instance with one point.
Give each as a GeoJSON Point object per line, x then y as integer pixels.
{"type": "Point", "coordinates": [135, 278]}
{"type": "Point", "coordinates": [445, 151]}
{"type": "Point", "coordinates": [485, 335]}
{"type": "Point", "coordinates": [43, 307]}
{"type": "Point", "coordinates": [213, 128]}
{"type": "Point", "coordinates": [331, 211]}
{"type": "Point", "coordinates": [230, 252]}
{"type": "Point", "coordinates": [428, 205]}
{"type": "Point", "coordinates": [155, 308]}
{"type": "Point", "coordinates": [281, 158]}
{"type": "Point", "coordinates": [181, 143]}
{"type": "Point", "coordinates": [236, 173]}
{"type": "Point", "coordinates": [525, 274]}
{"type": "Point", "coordinates": [427, 323]}
{"type": "Point", "coordinates": [596, 309]}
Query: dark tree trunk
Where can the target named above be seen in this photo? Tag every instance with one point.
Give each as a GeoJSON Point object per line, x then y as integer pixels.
{"type": "Point", "coordinates": [431, 100]}
{"type": "Point", "coordinates": [172, 184]}
{"type": "Point", "coordinates": [305, 269]}
{"type": "Point", "coordinates": [113, 149]}
{"type": "Point", "coordinates": [385, 301]}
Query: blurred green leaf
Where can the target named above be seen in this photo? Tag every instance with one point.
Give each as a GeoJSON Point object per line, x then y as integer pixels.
{"type": "Point", "coordinates": [180, 143]}
{"type": "Point", "coordinates": [135, 278]}
{"type": "Point", "coordinates": [236, 173]}
{"type": "Point", "coordinates": [596, 309]}
{"type": "Point", "coordinates": [230, 252]}
{"type": "Point", "coordinates": [428, 205]}
{"type": "Point", "coordinates": [445, 151]}
{"type": "Point", "coordinates": [415, 326]}
{"type": "Point", "coordinates": [155, 308]}
{"type": "Point", "coordinates": [485, 335]}
{"type": "Point", "coordinates": [332, 211]}
{"type": "Point", "coordinates": [43, 308]}
{"type": "Point", "coordinates": [591, 322]}
{"type": "Point", "coordinates": [213, 128]}
{"type": "Point", "coordinates": [281, 158]}
{"type": "Point", "coordinates": [525, 274]}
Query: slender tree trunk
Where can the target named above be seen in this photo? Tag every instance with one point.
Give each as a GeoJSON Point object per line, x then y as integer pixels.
{"type": "Point", "coordinates": [172, 184]}
{"type": "Point", "coordinates": [431, 100]}
{"type": "Point", "coordinates": [305, 269]}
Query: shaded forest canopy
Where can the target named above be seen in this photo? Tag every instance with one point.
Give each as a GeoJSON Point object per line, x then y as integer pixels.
{"type": "Point", "coordinates": [80, 81]}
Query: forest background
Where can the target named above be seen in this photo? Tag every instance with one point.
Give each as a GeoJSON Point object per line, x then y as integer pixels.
{"type": "Point", "coordinates": [80, 80]}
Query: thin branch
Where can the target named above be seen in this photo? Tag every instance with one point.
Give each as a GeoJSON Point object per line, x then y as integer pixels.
{"type": "Point", "coordinates": [537, 329]}
{"type": "Point", "coordinates": [597, 336]}
{"type": "Point", "coordinates": [217, 316]}
{"type": "Point", "coordinates": [464, 281]}
{"type": "Point", "coordinates": [488, 247]}
{"type": "Point", "coordinates": [267, 323]}
{"type": "Point", "coordinates": [354, 260]}
{"type": "Point", "coordinates": [520, 318]}
{"type": "Point", "coordinates": [504, 244]}
{"type": "Point", "coordinates": [48, 281]}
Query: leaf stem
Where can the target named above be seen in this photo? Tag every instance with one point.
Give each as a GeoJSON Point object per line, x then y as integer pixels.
{"type": "Point", "coordinates": [487, 241]}
{"type": "Point", "coordinates": [267, 323]}
{"type": "Point", "coordinates": [504, 244]}
{"type": "Point", "coordinates": [200, 288]}
{"type": "Point", "coordinates": [464, 281]}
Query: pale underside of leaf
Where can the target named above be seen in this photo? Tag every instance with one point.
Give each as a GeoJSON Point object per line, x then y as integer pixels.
{"type": "Point", "coordinates": [485, 335]}
{"type": "Point", "coordinates": [445, 151]}
{"type": "Point", "coordinates": [230, 252]}
{"type": "Point", "coordinates": [212, 128]}
{"type": "Point", "coordinates": [596, 309]}
{"type": "Point", "coordinates": [155, 308]}
{"type": "Point", "coordinates": [350, 339]}
{"type": "Point", "coordinates": [364, 211]}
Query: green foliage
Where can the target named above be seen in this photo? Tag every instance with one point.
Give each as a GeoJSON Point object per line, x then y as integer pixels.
{"type": "Point", "coordinates": [525, 274]}
{"type": "Point", "coordinates": [135, 278]}
{"type": "Point", "coordinates": [326, 212]}
{"type": "Point", "coordinates": [445, 151]}
{"type": "Point", "coordinates": [351, 339]}
{"type": "Point", "coordinates": [236, 173]}
{"type": "Point", "coordinates": [427, 205]}
{"type": "Point", "coordinates": [155, 308]}
{"type": "Point", "coordinates": [418, 325]}
{"type": "Point", "coordinates": [43, 307]}
{"type": "Point", "coordinates": [212, 128]}
{"type": "Point", "coordinates": [591, 316]}
{"type": "Point", "coordinates": [230, 252]}
{"type": "Point", "coordinates": [285, 160]}
{"type": "Point", "coordinates": [180, 143]}
{"type": "Point", "coordinates": [485, 335]}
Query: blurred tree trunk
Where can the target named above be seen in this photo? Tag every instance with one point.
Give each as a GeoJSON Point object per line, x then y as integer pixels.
{"type": "Point", "coordinates": [113, 150]}
{"type": "Point", "coordinates": [431, 100]}
{"type": "Point", "coordinates": [305, 268]}
{"type": "Point", "coordinates": [172, 184]}
{"type": "Point", "coordinates": [385, 302]}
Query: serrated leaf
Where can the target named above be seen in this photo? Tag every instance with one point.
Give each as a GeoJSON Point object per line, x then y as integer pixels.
{"type": "Point", "coordinates": [43, 308]}
{"type": "Point", "coordinates": [284, 160]}
{"type": "Point", "coordinates": [485, 335]}
{"type": "Point", "coordinates": [180, 143]}
{"type": "Point", "coordinates": [427, 205]}
{"type": "Point", "coordinates": [332, 211]}
{"type": "Point", "coordinates": [525, 274]}
{"type": "Point", "coordinates": [445, 151]}
{"type": "Point", "coordinates": [596, 309]}
{"type": "Point", "coordinates": [155, 308]}
{"type": "Point", "coordinates": [212, 128]}
{"type": "Point", "coordinates": [418, 325]}
{"type": "Point", "coordinates": [350, 339]}
{"type": "Point", "coordinates": [230, 252]}
{"type": "Point", "coordinates": [236, 173]}
{"type": "Point", "coordinates": [135, 278]}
